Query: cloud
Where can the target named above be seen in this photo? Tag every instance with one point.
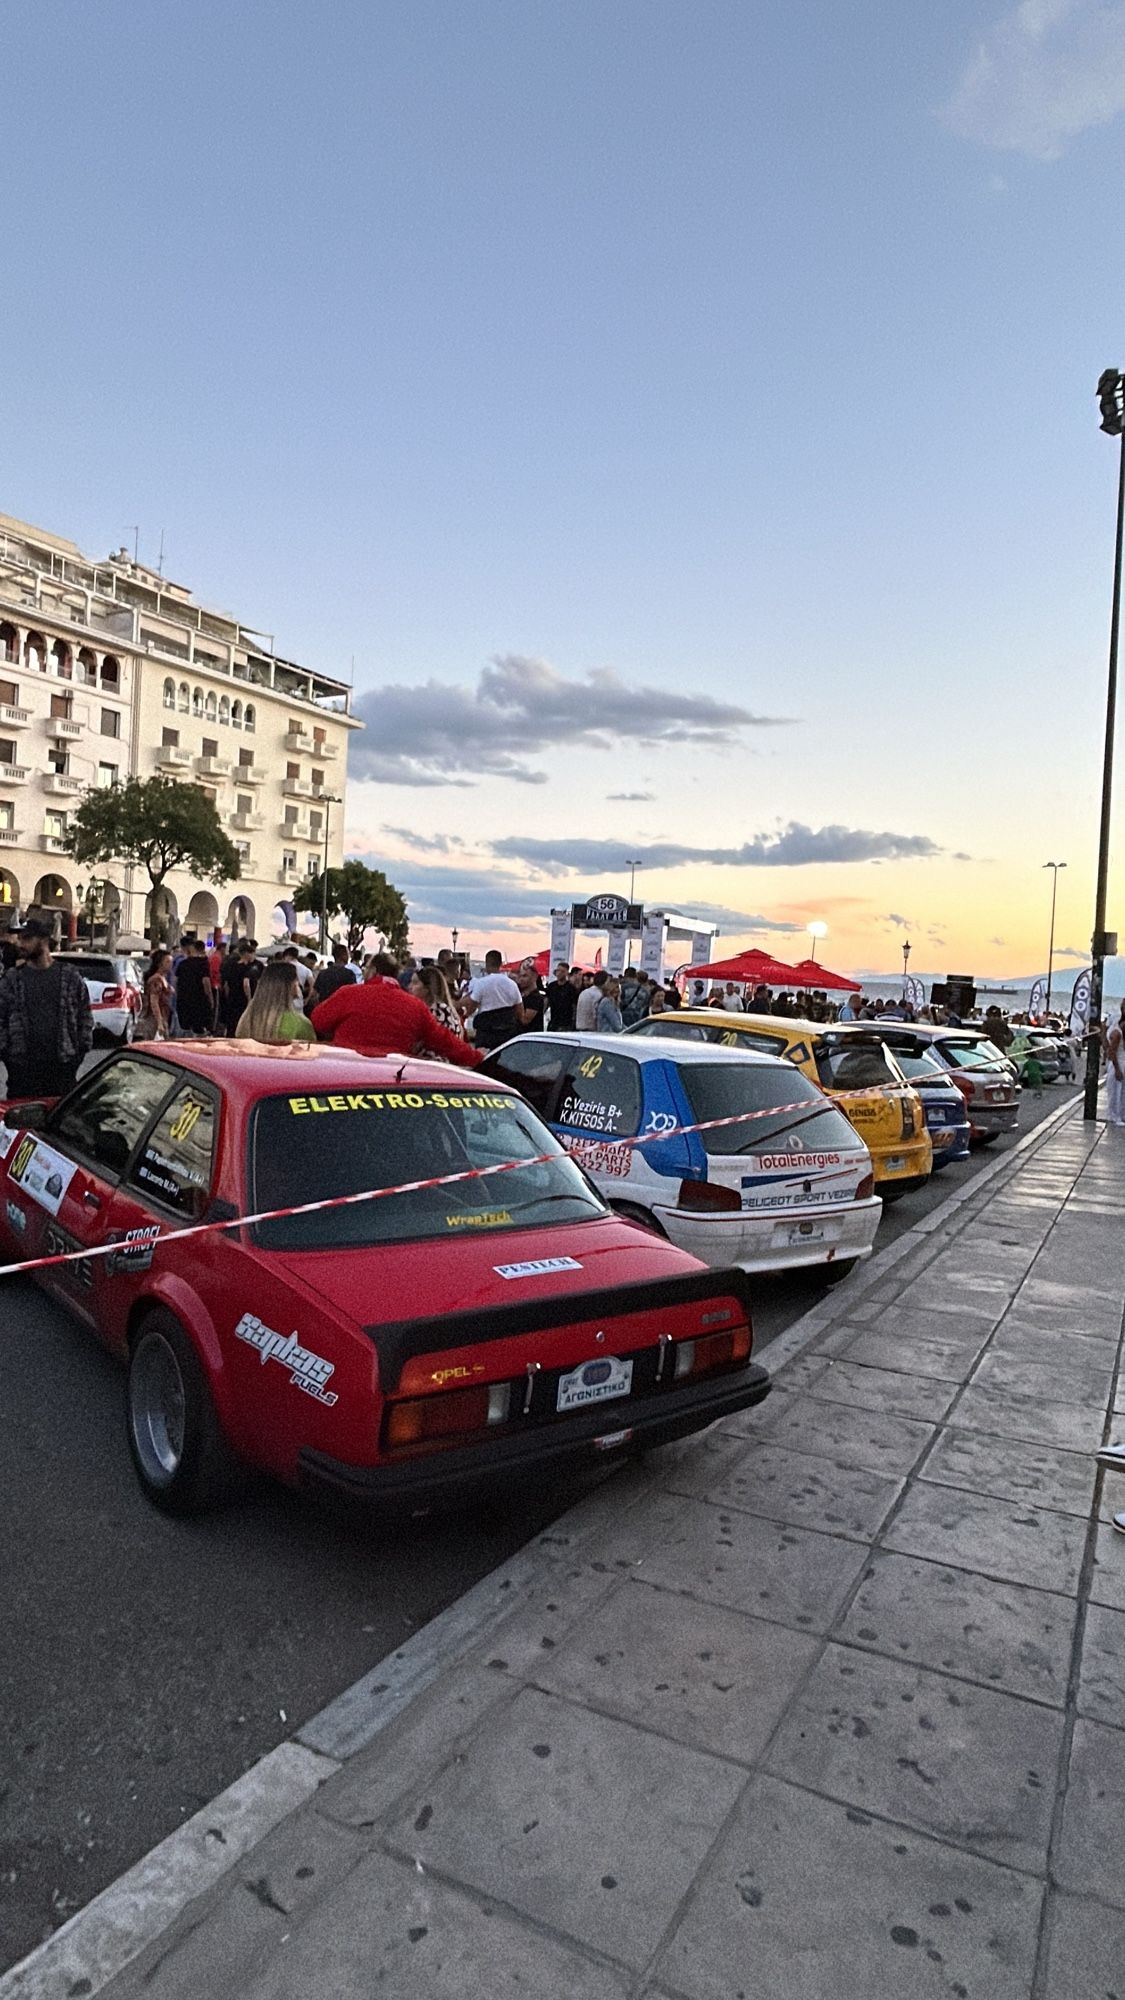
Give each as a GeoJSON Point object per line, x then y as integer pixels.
{"type": "Point", "coordinates": [996, 941]}
{"type": "Point", "coordinates": [633, 798]}
{"type": "Point", "coordinates": [900, 923]}
{"type": "Point", "coordinates": [795, 846]}
{"type": "Point", "coordinates": [1045, 72]}
{"type": "Point", "coordinates": [441, 733]}
{"type": "Point", "coordinates": [1071, 951]}
{"type": "Point", "coordinates": [426, 843]}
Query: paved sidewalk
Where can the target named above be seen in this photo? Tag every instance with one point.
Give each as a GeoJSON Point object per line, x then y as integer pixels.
{"type": "Point", "coordinates": [828, 1703]}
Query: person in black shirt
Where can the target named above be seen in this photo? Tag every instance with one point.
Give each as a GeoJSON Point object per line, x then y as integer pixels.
{"type": "Point", "coordinates": [195, 1001]}
{"type": "Point", "coordinates": [562, 999]}
{"type": "Point", "coordinates": [237, 980]}
{"type": "Point", "coordinates": [331, 977]}
{"type": "Point", "coordinates": [534, 1000]}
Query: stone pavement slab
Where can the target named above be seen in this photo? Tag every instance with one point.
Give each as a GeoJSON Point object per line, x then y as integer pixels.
{"type": "Point", "coordinates": [1086, 1951]}
{"type": "Point", "coordinates": [1101, 1687]}
{"type": "Point", "coordinates": [1074, 1426]}
{"type": "Point", "coordinates": [767, 1567]}
{"type": "Point", "coordinates": [1089, 1860]}
{"type": "Point", "coordinates": [824, 1493]}
{"type": "Point", "coordinates": [970, 1765]}
{"type": "Point", "coordinates": [1072, 1378]}
{"type": "Point", "coordinates": [1107, 1584]}
{"type": "Point", "coordinates": [945, 1360]}
{"type": "Point", "coordinates": [863, 1387]}
{"type": "Point", "coordinates": [1017, 1543]}
{"type": "Point", "coordinates": [585, 1824]}
{"type": "Point", "coordinates": [1011, 1470]}
{"type": "Point", "coordinates": [707, 1676]}
{"type": "Point", "coordinates": [885, 1915]}
{"type": "Point", "coordinates": [1001, 1634]}
{"type": "Point", "coordinates": [870, 1440]}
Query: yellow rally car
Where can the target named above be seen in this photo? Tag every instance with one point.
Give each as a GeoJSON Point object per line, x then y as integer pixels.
{"type": "Point", "coordinates": [849, 1064]}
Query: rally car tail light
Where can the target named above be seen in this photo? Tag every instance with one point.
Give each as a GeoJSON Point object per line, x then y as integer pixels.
{"type": "Point", "coordinates": [715, 1350]}
{"type": "Point", "coordinates": [114, 996]}
{"type": "Point", "coordinates": [421, 1418]}
{"type": "Point", "coordinates": [702, 1197]}
{"type": "Point", "coordinates": [866, 1188]}
{"type": "Point", "coordinates": [965, 1085]}
{"type": "Point", "coordinates": [907, 1118]}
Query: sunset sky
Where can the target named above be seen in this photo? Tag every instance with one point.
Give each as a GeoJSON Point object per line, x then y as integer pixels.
{"type": "Point", "coordinates": [682, 415]}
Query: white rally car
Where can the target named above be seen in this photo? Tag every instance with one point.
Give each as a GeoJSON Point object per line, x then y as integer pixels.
{"type": "Point", "coordinates": [791, 1186]}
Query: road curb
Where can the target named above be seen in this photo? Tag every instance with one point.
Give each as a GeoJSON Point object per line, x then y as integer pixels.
{"type": "Point", "coordinates": [101, 1940]}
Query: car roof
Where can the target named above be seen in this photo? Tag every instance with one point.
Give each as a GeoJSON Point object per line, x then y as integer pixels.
{"type": "Point", "coordinates": [249, 1069]}
{"type": "Point", "coordinates": [726, 1018]}
{"type": "Point", "coordinates": [655, 1048]}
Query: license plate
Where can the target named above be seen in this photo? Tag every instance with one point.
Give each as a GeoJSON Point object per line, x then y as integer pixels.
{"type": "Point", "coordinates": [595, 1382]}
{"type": "Point", "coordinates": [895, 1163]}
{"type": "Point", "coordinates": [804, 1232]}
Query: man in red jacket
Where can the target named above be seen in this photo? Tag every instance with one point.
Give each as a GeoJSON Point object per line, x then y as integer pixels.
{"type": "Point", "coordinates": [379, 1019]}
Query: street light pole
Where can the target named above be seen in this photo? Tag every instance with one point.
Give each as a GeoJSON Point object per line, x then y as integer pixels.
{"type": "Point", "coordinates": [1111, 397]}
{"type": "Point", "coordinates": [816, 931]}
{"type": "Point", "coordinates": [905, 964]}
{"type": "Point", "coordinates": [330, 799]}
{"type": "Point", "coordinates": [1054, 866]}
{"type": "Point", "coordinates": [633, 866]}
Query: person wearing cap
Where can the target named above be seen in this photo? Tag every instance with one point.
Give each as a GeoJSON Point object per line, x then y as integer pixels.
{"type": "Point", "coordinates": [46, 1026]}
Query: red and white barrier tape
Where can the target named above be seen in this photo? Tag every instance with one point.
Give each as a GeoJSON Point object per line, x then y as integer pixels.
{"type": "Point", "coordinates": [407, 1187]}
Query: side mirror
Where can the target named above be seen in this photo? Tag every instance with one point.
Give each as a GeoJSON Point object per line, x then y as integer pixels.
{"type": "Point", "coordinates": [30, 1117]}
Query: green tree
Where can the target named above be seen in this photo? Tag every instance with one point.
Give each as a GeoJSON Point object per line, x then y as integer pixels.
{"type": "Point", "coordinates": [160, 823]}
{"type": "Point", "coordinates": [365, 899]}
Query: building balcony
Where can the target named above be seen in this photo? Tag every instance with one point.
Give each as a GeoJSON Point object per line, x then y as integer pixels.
{"type": "Point", "coordinates": [62, 784]}
{"type": "Point", "coordinates": [173, 757]}
{"type": "Point", "coordinates": [53, 843]}
{"type": "Point", "coordinates": [294, 829]}
{"type": "Point", "coordinates": [325, 749]}
{"type": "Point", "coordinates": [64, 729]}
{"type": "Point", "coordinates": [297, 788]}
{"type": "Point", "coordinates": [10, 836]}
{"type": "Point", "coordinates": [14, 774]}
{"type": "Point", "coordinates": [289, 872]}
{"type": "Point", "coordinates": [248, 822]}
{"type": "Point", "coordinates": [15, 718]}
{"type": "Point", "coordinates": [248, 774]}
{"type": "Point", "coordinates": [213, 767]}
{"type": "Point", "coordinates": [300, 741]}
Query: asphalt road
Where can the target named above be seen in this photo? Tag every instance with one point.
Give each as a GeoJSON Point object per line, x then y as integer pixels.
{"type": "Point", "coordinates": [144, 1663]}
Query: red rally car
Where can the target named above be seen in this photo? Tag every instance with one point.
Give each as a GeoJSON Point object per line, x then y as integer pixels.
{"type": "Point", "coordinates": [408, 1350]}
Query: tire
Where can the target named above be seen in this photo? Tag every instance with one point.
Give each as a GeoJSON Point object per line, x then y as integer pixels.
{"type": "Point", "coordinates": [629, 1212]}
{"type": "Point", "coordinates": [180, 1456]}
{"type": "Point", "coordinates": [836, 1272]}
{"type": "Point", "coordinates": [984, 1138]}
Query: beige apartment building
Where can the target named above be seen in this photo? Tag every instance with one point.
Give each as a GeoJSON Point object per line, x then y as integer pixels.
{"type": "Point", "coordinates": [108, 670]}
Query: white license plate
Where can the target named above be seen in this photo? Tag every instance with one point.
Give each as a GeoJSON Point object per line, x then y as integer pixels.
{"type": "Point", "coordinates": [803, 1233]}
{"type": "Point", "coordinates": [595, 1382]}
{"type": "Point", "coordinates": [895, 1163]}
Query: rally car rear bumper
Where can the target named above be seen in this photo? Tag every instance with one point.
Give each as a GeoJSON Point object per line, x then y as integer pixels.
{"type": "Point", "coordinates": [441, 1478]}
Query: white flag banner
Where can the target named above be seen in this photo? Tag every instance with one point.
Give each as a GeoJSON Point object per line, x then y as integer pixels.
{"type": "Point", "coordinates": [562, 938]}
{"type": "Point", "coordinates": [1080, 1004]}
{"type": "Point", "coordinates": [1037, 997]}
{"type": "Point", "coordinates": [615, 956]}
{"type": "Point", "coordinates": [701, 946]}
{"type": "Point", "coordinates": [652, 947]}
{"type": "Point", "coordinates": [915, 992]}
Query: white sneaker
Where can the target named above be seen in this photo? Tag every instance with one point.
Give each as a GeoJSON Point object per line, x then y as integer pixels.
{"type": "Point", "coordinates": [1113, 1453]}
{"type": "Point", "coordinates": [1119, 1523]}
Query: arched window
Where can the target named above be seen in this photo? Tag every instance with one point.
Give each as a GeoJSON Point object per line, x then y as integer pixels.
{"type": "Point", "coordinates": [249, 715]}
{"type": "Point", "coordinates": [224, 708]}
{"type": "Point", "coordinates": [62, 660]}
{"type": "Point", "coordinates": [87, 667]}
{"type": "Point", "coordinates": [197, 701]}
{"type": "Point", "coordinates": [211, 705]}
{"type": "Point", "coordinates": [36, 652]}
{"type": "Point", "coordinates": [184, 698]}
{"type": "Point", "coordinates": [111, 672]}
{"type": "Point", "coordinates": [10, 643]}
{"type": "Point", "coordinates": [236, 715]}
{"type": "Point", "coordinates": [169, 694]}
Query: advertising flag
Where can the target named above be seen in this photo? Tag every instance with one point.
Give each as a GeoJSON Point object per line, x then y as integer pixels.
{"type": "Point", "coordinates": [1080, 1004]}
{"type": "Point", "coordinates": [1037, 997]}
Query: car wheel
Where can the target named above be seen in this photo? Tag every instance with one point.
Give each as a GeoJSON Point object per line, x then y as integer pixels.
{"type": "Point", "coordinates": [179, 1453]}
{"type": "Point", "coordinates": [839, 1269]}
{"type": "Point", "coordinates": [629, 1212]}
{"type": "Point", "coordinates": [984, 1138]}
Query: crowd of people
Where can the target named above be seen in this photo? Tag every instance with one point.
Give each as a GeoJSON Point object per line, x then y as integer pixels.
{"type": "Point", "coordinates": [377, 1004]}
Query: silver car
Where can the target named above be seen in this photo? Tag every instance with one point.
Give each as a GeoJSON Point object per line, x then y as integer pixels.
{"type": "Point", "coordinates": [982, 1074]}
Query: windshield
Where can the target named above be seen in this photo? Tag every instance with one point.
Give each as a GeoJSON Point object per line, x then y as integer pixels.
{"type": "Point", "coordinates": [921, 1064]}
{"type": "Point", "coordinates": [722, 1090]}
{"type": "Point", "coordinates": [377, 1139]}
{"type": "Point", "coordinates": [973, 1055]}
{"type": "Point", "coordinates": [855, 1065]}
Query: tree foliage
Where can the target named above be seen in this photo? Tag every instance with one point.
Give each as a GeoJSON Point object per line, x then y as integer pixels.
{"type": "Point", "coordinates": [161, 823]}
{"type": "Point", "coordinates": [365, 899]}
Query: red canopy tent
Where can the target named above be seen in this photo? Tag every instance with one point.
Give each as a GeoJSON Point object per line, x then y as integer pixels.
{"type": "Point", "coordinates": [541, 960]}
{"type": "Point", "coordinates": [748, 968]}
{"type": "Point", "coordinates": [809, 973]}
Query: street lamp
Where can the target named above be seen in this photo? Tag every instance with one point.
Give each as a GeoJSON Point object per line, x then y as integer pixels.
{"type": "Point", "coordinates": [816, 931]}
{"type": "Point", "coordinates": [1111, 399]}
{"type": "Point", "coordinates": [905, 963]}
{"type": "Point", "coordinates": [455, 934]}
{"type": "Point", "coordinates": [328, 799]}
{"type": "Point", "coordinates": [1054, 866]}
{"type": "Point", "coordinates": [633, 866]}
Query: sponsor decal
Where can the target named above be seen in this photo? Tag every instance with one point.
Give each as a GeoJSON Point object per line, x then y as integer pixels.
{"type": "Point", "coordinates": [8, 1136]}
{"type": "Point", "coordinates": [41, 1172]}
{"type": "Point", "coordinates": [537, 1267]}
{"type": "Point", "coordinates": [398, 1100]}
{"type": "Point", "coordinates": [661, 1121]}
{"type": "Point", "coordinates": [136, 1249]}
{"type": "Point", "coordinates": [796, 1162]}
{"type": "Point", "coordinates": [485, 1218]}
{"type": "Point", "coordinates": [16, 1218]}
{"type": "Point", "coordinates": [57, 1243]}
{"type": "Point", "coordinates": [599, 1156]}
{"type": "Point", "coordinates": [185, 1121]}
{"type": "Point", "coordinates": [595, 1117]}
{"type": "Point", "coordinates": [308, 1372]}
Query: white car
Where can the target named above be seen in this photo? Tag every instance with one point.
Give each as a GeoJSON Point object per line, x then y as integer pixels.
{"type": "Point", "coordinates": [115, 989]}
{"type": "Point", "coordinates": [791, 1186]}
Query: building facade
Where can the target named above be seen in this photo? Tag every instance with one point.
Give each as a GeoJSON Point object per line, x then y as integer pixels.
{"type": "Point", "coordinates": [109, 671]}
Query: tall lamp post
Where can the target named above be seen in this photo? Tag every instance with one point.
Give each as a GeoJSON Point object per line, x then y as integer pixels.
{"type": "Point", "coordinates": [328, 800]}
{"type": "Point", "coordinates": [816, 931]}
{"type": "Point", "coordinates": [905, 963]}
{"type": "Point", "coordinates": [1111, 400]}
{"type": "Point", "coordinates": [1054, 866]}
{"type": "Point", "coordinates": [633, 866]}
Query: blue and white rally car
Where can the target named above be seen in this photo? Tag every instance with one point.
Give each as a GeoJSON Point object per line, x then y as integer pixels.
{"type": "Point", "coordinates": [790, 1186]}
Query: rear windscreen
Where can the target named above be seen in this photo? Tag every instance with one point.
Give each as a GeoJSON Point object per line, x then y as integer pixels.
{"type": "Point", "coordinates": [847, 1065]}
{"type": "Point", "coordinates": [723, 1090]}
{"type": "Point", "coordinates": [312, 1148]}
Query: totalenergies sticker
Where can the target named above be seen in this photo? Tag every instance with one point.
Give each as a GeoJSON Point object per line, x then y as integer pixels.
{"type": "Point", "coordinates": [780, 1163]}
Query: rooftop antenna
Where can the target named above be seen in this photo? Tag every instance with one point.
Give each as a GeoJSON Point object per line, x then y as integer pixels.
{"type": "Point", "coordinates": [160, 562]}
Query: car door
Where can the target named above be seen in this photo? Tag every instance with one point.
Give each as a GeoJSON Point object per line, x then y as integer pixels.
{"type": "Point", "coordinates": [63, 1178]}
{"type": "Point", "coordinates": [166, 1186]}
{"type": "Point", "coordinates": [533, 1065]}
